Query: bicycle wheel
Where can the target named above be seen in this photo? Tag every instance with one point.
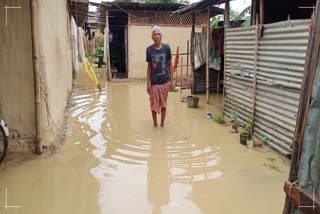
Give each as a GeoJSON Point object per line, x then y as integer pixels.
{"type": "Point", "coordinates": [3, 140]}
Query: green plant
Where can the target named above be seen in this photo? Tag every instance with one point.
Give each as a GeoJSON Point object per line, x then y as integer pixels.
{"type": "Point", "coordinates": [248, 128]}
{"type": "Point", "coordinates": [247, 21]}
{"type": "Point", "coordinates": [219, 118]}
{"type": "Point", "coordinates": [91, 58]}
{"type": "Point", "coordinates": [215, 22]}
{"type": "Point", "coordinates": [99, 50]}
{"type": "Point", "coordinates": [264, 139]}
{"type": "Point", "coordinates": [235, 118]}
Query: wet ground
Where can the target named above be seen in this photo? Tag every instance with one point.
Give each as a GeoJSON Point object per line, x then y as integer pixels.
{"type": "Point", "coordinates": [114, 161]}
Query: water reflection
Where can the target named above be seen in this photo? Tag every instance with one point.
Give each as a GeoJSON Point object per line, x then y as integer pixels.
{"type": "Point", "coordinates": [159, 177]}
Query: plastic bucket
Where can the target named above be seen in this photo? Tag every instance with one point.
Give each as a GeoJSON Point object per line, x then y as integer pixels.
{"type": "Point", "coordinates": [192, 101]}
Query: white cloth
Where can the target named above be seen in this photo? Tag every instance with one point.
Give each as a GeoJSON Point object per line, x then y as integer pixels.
{"type": "Point", "coordinates": [81, 45]}
{"type": "Point", "coordinates": [74, 35]}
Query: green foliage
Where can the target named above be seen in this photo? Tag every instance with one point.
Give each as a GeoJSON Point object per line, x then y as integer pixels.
{"type": "Point", "coordinates": [235, 118]}
{"type": "Point", "coordinates": [91, 58]}
{"type": "Point", "coordinates": [184, 2]}
{"type": "Point", "coordinates": [219, 118]}
{"type": "Point", "coordinates": [215, 22]}
{"type": "Point", "coordinates": [236, 16]}
{"type": "Point", "coordinates": [247, 23]}
{"type": "Point", "coordinates": [264, 139]}
{"type": "Point", "coordinates": [244, 14]}
{"type": "Point", "coordinates": [99, 50]}
{"type": "Point", "coordinates": [248, 126]}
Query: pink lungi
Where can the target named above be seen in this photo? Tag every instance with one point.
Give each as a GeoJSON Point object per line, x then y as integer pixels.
{"type": "Point", "coordinates": [158, 96]}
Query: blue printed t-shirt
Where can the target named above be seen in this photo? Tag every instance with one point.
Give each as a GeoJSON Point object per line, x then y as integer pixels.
{"type": "Point", "coordinates": [159, 64]}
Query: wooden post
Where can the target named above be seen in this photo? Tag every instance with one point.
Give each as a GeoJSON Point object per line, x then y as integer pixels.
{"type": "Point", "coordinates": [208, 57]}
{"type": "Point", "coordinates": [227, 14]}
{"type": "Point", "coordinates": [187, 58]}
{"type": "Point", "coordinates": [218, 83]}
{"type": "Point", "coordinates": [107, 50]}
{"type": "Point", "coordinates": [192, 52]}
{"type": "Point", "coordinates": [255, 68]}
{"type": "Point", "coordinates": [253, 11]}
{"type": "Point", "coordinates": [262, 12]}
{"type": "Point", "coordinates": [181, 75]}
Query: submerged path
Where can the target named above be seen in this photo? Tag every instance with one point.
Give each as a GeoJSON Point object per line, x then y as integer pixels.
{"type": "Point", "coordinates": [114, 161]}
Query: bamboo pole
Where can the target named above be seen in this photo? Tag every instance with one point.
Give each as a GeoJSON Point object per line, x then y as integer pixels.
{"type": "Point", "coordinates": [187, 58]}
{"type": "Point", "coordinates": [106, 31]}
{"type": "Point", "coordinates": [255, 68]}
{"type": "Point", "coordinates": [208, 58]}
{"type": "Point", "coordinates": [181, 75]}
{"type": "Point", "coordinates": [36, 72]}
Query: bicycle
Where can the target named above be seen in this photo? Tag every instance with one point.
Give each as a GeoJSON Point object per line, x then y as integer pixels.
{"type": "Point", "coordinates": [4, 134]}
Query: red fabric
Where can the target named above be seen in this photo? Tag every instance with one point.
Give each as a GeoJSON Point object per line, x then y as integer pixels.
{"type": "Point", "coordinates": [158, 96]}
{"type": "Point", "coordinates": [176, 61]}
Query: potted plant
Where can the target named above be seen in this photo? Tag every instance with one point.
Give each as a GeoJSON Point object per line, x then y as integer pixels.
{"type": "Point", "coordinates": [248, 128]}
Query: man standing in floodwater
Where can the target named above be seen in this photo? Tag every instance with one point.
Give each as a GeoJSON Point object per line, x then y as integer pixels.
{"type": "Point", "coordinates": [159, 75]}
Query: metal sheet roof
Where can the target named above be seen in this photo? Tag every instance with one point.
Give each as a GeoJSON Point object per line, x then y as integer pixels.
{"type": "Point", "coordinates": [199, 6]}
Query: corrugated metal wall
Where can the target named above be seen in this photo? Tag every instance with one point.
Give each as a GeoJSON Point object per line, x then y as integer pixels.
{"type": "Point", "coordinates": [281, 56]}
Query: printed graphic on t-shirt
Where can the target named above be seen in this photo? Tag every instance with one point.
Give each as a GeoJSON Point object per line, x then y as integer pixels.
{"type": "Point", "coordinates": [159, 63]}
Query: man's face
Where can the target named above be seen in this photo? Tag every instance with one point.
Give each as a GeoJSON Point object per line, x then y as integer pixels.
{"type": "Point", "coordinates": [156, 36]}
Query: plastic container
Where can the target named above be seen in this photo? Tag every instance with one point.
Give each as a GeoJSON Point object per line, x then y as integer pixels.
{"type": "Point", "coordinates": [243, 138]}
{"type": "Point", "coordinates": [192, 101]}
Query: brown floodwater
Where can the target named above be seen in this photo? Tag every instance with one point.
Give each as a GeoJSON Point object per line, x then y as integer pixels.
{"type": "Point", "coordinates": [113, 161]}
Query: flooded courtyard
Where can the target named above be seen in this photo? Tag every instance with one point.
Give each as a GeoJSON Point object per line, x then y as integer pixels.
{"type": "Point", "coordinates": [114, 161]}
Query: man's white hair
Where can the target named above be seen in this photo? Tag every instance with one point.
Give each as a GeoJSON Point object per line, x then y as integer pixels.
{"type": "Point", "coordinates": [155, 28]}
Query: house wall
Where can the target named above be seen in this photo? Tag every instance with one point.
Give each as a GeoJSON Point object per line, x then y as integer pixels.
{"type": "Point", "coordinates": [17, 104]}
{"type": "Point", "coordinates": [139, 38]}
{"type": "Point", "coordinates": [17, 94]}
{"type": "Point", "coordinates": [56, 65]}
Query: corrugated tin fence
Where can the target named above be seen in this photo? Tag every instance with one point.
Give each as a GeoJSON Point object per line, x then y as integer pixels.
{"type": "Point", "coordinates": [281, 50]}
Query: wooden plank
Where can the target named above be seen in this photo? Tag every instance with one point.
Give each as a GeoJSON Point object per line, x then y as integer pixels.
{"type": "Point", "coordinates": [307, 201]}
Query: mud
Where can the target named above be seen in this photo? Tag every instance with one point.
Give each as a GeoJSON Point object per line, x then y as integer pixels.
{"type": "Point", "coordinates": [114, 161]}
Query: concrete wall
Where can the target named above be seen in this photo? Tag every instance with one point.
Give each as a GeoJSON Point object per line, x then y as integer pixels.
{"type": "Point", "coordinates": [17, 104]}
{"type": "Point", "coordinates": [56, 65]}
{"type": "Point", "coordinates": [140, 38]}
